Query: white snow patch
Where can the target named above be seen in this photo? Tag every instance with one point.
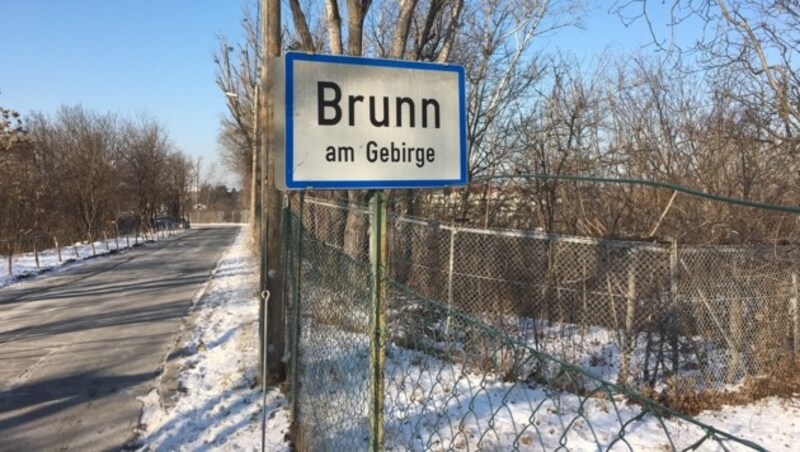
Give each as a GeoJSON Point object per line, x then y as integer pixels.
{"type": "Point", "coordinates": [430, 403]}
{"type": "Point", "coordinates": [23, 265]}
{"type": "Point", "coordinates": [219, 408]}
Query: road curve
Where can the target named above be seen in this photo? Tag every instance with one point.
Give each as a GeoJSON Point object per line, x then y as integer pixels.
{"type": "Point", "coordinates": [78, 347]}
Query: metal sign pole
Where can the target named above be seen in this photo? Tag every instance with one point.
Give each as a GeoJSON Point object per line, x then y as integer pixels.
{"type": "Point", "coordinates": [377, 324]}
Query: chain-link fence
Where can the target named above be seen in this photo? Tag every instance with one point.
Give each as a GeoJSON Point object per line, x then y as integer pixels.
{"type": "Point", "coordinates": [633, 313]}
{"type": "Point", "coordinates": [502, 340]}
{"type": "Point", "coordinates": [330, 294]}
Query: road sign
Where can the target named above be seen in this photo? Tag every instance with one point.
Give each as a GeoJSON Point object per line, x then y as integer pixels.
{"type": "Point", "coordinates": [350, 123]}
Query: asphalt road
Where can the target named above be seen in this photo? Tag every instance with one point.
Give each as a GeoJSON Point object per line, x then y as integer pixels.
{"type": "Point", "coordinates": [78, 347]}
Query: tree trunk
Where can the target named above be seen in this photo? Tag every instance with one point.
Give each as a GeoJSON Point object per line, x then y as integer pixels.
{"type": "Point", "coordinates": [334, 26]}
{"type": "Point", "coordinates": [450, 33]}
{"type": "Point", "coordinates": [271, 315]}
{"type": "Point", "coordinates": [401, 33]}
{"type": "Point", "coordinates": [356, 224]}
{"type": "Point", "coordinates": [629, 336]}
{"type": "Point", "coordinates": [356, 12]}
{"type": "Point", "coordinates": [736, 333]}
{"type": "Point", "coordinates": [10, 258]}
{"type": "Point", "coordinates": [301, 25]}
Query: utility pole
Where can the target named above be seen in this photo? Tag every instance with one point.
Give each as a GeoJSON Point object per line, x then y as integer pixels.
{"type": "Point", "coordinates": [255, 185]}
{"type": "Point", "coordinates": [272, 318]}
{"type": "Point", "coordinates": [258, 170]}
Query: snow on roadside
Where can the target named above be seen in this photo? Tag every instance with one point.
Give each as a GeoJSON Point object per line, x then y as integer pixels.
{"type": "Point", "coordinates": [217, 405]}
{"type": "Point", "coordinates": [217, 408]}
{"type": "Point", "coordinates": [24, 265]}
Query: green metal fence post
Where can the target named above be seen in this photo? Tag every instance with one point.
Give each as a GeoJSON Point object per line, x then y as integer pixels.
{"type": "Point", "coordinates": [378, 248]}
{"type": "Point", "coordinates": [294, 329]}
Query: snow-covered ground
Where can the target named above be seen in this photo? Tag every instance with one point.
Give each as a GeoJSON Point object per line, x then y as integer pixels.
{"type": "Point", "coordinates": [24, 265]}
{"type": "Point", "coordinates": [217, 406]}
{"type": "Point", "coordinates": [431, 403]}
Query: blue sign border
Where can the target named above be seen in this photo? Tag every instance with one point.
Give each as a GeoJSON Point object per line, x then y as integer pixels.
{"type": "Point", "coordinates": [292, 184]}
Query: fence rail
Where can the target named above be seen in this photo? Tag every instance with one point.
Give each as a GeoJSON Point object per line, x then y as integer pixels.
{"type": "Point", "coordinates": [503, 340]}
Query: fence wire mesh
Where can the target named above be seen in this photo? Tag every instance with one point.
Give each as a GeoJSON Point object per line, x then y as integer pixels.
{"type": "Point", "coordinates": [331, 309]}
{"type": "Point", "coordinates": [502, 340]}
{"type": "Point", "coordinates": [454, 382]}
{"type": "Point", "coordinates": [634, 313]}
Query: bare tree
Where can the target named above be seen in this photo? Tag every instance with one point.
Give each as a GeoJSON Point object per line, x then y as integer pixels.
{"type": "Point", "coordinates": [177, 181]}
{"type": "Point", "coordinates": [557, 136]}
{"type": "Point", "coordinates": [495, 48]}
{"type": "Point", "coordinates": [77, 174]}
{"type": "Point", "coordinates": [756, 41]}
{"type": "Point", "coordinates": [491, 39]}
{"type": "Point", "coordinates": [147, 151]}
{"type": "Point", "coordinates": [237, 77]}
{"type": "Point", "coordinates": [90, 145]}
{"type": "Point", "coordinates": [16, 169]}
{"type": "Point", "coordinates": [48, 215]}
{"type": "Point", "coordinates": [355, 226]}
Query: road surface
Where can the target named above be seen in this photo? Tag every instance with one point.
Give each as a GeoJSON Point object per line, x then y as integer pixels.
{"type": "Point", "coordinates": [78, 347]}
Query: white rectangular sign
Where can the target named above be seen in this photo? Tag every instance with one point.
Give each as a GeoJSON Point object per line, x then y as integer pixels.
{"type": "Point", "coordinates": [352, 123]}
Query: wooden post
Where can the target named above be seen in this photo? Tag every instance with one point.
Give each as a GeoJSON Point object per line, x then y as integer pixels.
{"type": "Point", "coordinates": [663, 214]}
{"type": "Point", "coordinates": [58, 248]}
{"type": "Point", "coordinates": [271, 205]}
{"type": "Point", "coordinates": [36, 252]}
{"type": "Point", "coordinates": [255, 184]}
{"type": "Point", "coordinates": [10, 258]}
{"type": "Point", "coordinates": [105, 238]}
{"type": "Point", "coordinates": [91, 240]}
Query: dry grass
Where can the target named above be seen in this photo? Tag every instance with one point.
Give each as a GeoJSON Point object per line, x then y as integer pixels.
{"type": "Point", "coordinates": [681, 394]}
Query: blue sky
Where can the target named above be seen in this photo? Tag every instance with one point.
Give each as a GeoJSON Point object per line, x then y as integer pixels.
{"type": "Point", "coordinates": [123, 56]}
{"type": "Point", "coordinates": [155, 57]}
